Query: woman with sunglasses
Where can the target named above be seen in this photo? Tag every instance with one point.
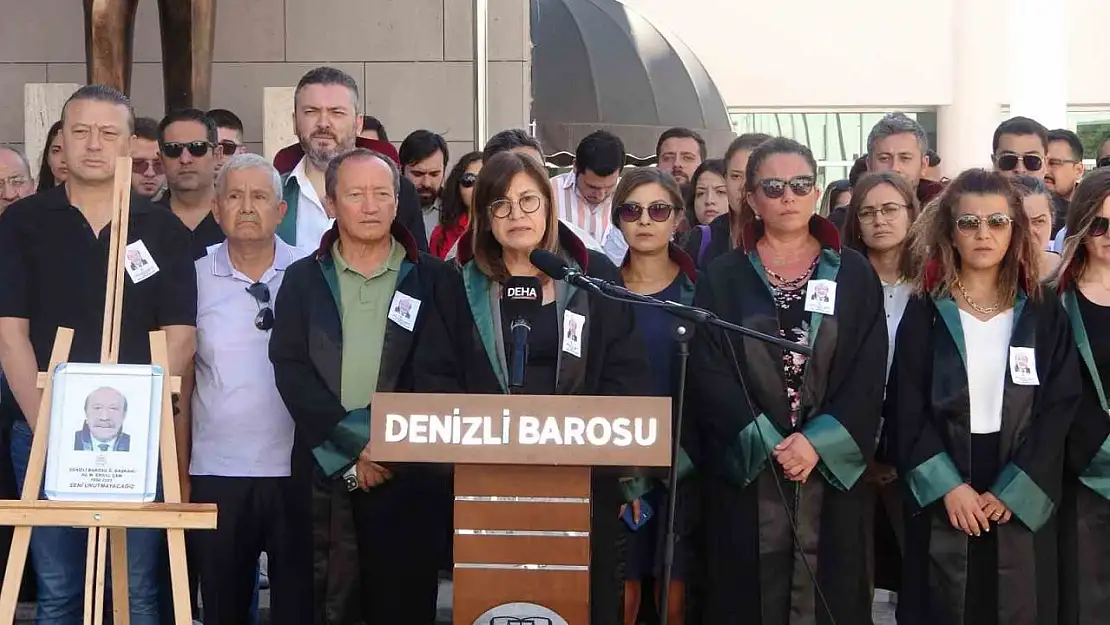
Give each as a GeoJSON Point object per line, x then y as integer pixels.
{"type": "Point", "coordinates": [454, 213]}
{"type": "Point", "coordinates": [646, 206]}
{"type": "Point", "coordinates": [780, 439]}
{"type": "Point", "coordinates": [877, 225]}
{"type": "Point", "coordinates": [1084, 285]}
{"type": "Point", "coordinates": [579, 344]}
{"type": "Point", "coordinates": [1038, 208]}
{"type": "Point", "coordinates": [983, 388]}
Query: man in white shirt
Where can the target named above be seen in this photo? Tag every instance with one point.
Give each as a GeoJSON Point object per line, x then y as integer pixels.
{"type": "Point", "coordinates": [584, 195]}
{"type": "Point", "coordinates": [242, 434]}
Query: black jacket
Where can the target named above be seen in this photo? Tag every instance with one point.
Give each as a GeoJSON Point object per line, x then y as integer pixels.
{"type": "Point", "coordinates": [720, 241]}
{"type": "Point", "coordinates": [306, 345]}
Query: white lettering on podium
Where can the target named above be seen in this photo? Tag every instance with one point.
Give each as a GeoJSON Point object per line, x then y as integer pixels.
{"type": "Point", "coordinates": [622, 433]}
{"type": "Point", "coordinates": [396, 428]}
{"type": "Point", "coordinates": [575, 427]}
{"type": "Point", "coordinates": [505, 421]}
{"type": "Point", "coordinates": [456, 428]}
{"type": "Point", "coordinates": [599, 432]}
{"type": "Point", "coordinates": [440, 429]}
{"type": "Point", "coordinates": [472, 424]}
{"type": "Point", "coordinates": [649, 439]}
{"type": "Point", "coordinates": [529, 429]}
{"type": "Point", "coordinates": [418, 428]}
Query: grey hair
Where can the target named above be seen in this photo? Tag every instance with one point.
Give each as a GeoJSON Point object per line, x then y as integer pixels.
{"type": "Point", "coordinates": [331, 177]}
{"type": "Point", "coordinates": [240, 162]}
{"type": "Point", "coordinates": [20, 154]}
{"type": "Point", "coordinates": [897, 124]}
{"type": "Point", "coordinates": [329, 76]}
{"type": "Point", "coordinates": [1028, 186]}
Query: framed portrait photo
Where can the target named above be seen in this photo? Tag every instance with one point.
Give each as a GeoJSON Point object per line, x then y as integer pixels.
{"type": "Point", "coordinates": [105, 424]}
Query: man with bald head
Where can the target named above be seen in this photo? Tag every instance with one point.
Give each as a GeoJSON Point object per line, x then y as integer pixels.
{"type": "Point", "coordinates": [15, 176]}
{"type": "Point", "coordinates": [105, 410]}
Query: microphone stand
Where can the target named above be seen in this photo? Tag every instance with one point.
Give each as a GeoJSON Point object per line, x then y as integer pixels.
{"type": "Point", "coordinates": [690, 316]}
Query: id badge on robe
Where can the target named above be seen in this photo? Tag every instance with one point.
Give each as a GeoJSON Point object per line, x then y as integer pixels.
{"type": "Point", "coordinates": [821, 296]}
{"type": "Point", "coordinates": [1023, 366]}
{"type": "Point", "coordinates": [573, 325]}
{"type": "Point", "coordinates": [403, 310]}
{"type": "Point", "coordinates": [138, 262]}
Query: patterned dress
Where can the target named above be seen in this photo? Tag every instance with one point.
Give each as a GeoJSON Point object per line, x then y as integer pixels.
{"type": "Point", "coordinates": [790, 297]}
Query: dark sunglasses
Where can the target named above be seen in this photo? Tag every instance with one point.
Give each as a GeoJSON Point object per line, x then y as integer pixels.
{"type": "Point", "coordinates": [657, 211]}
{"type": "Point", "coordinates": [1099, 227]}
{"type": "Point", "coordinates": [1103, 162]}
{"type": "Point", "coordinates": [969, 224]}
{"type": "Point", "coordinates": [775, 188]}
{"type": "Point", "coordinates": [1009, 162]}
{"type": "Point", "coordinates": [468, 179]}
{"type": "Point", "coordinates": [196, 148]}
{"type": "Point", "coordinates": [264, 320]}
{"type": "Point", "coordinates": [140, 165]}
{"type": "Point", "coordinates": [230, 148]}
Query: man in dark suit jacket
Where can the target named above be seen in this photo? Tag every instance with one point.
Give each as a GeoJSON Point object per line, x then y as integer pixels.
{"type": "Point", "coordinates": [105, 410]}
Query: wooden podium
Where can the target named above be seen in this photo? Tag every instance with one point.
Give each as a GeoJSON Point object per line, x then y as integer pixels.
{"type": "Point", "coordinates": [522, 488]}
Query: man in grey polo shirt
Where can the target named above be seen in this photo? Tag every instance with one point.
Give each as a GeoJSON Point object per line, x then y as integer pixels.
{"type": "Point", "coordinates": [242, 434]}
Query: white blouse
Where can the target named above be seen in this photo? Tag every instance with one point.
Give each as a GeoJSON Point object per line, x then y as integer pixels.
{"type": "Point", "coordinates": [987, 349]}
{"type": "Point", "coordinates": [895, 298]}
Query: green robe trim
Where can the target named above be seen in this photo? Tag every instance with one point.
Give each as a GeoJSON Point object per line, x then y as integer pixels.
{"type": "Point", "coordinates": [933, 479]}
{"type": "Point", "coordinates": [1023, 497]}
{"type": "Point", "coordinates": [749, 454]}
{"type": "Point", "coordinates": [841, 461]}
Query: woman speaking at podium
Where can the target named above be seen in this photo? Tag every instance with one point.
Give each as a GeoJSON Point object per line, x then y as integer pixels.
{"type": "Point", "coordinates": [578, 344]}
{"type": "Point", "coordinates": [782, 439]}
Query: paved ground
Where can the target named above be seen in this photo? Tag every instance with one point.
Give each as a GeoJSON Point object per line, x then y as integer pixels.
{"type": "Point", "coordinates": [882, 613]}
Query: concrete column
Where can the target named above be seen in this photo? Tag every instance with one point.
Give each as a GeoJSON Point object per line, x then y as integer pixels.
{"type": "Point", "coordinates": [42, 106]}
{"type": "Point", "coordinates": [965, 126]}
{"type": "Point", "coordinates": [1037, 60]}
{"type": "Point", "coordinates": [278, 129]}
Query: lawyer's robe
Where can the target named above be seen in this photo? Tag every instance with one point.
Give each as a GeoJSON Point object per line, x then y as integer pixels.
{"type": "Point", "coordinates": [929, 417]}
{"type": "Point", "coordinates": [754, 573]}
{"type": "Point", "coordinates": [1085, 510]}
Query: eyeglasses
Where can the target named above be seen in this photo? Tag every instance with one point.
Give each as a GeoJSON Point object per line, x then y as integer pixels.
{"type": "Point", "coordinates": [504, 207]}
{"type": "Point", "coordinates": [229, 148]}
{"type": "Point", "coordinates": [1099, 227]}
{"type": "Point", "coordinates": [867, 214]}
{"type": "Point", "coordinates": [196, 148]}
{"type": "Point", "coordinates": [1009, 162]}
{"type": "Point", "coordinates": [658, 211]}
{"type": "Point", "coordinates": [141, 165]}
{"type": "Point", "coordinates": [264, 320]}
{"type": "Point", "coordinates": [970, 224]}
{"type": "Point", "coordinates": [468, 179]}
{"type": "Point", "coordinates": [775, 188]}
{"type": "Point", "coordinates": [15, 182]}
{"type": "Point", "coordinates": [1056, 162]}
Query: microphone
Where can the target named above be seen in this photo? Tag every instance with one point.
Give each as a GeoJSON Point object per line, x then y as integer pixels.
{"type": "Point", "coordinates": [521, 300]}
{"type": "Point", "coordinates": [553, 266]}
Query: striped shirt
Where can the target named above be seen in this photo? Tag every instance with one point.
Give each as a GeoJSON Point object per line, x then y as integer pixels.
{"type": "Point", "coordinates": [576, 210]}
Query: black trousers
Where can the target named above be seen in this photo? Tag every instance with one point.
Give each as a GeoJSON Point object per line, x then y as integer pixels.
{"type": "Point", "coordinates": [376, 553]}
{"type": "Point", "coordinates": [255, 515]}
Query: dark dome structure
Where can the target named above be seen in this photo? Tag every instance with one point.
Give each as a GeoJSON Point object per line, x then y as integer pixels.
{"type": "Point", "coordinates": [599, 64]}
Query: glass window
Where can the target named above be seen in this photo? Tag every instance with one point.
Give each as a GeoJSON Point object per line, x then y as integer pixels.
{"type": "Point", "coordinates": [836, 138]}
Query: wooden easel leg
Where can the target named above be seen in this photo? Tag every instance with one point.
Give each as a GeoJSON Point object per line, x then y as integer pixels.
{"type": "Point", "coordinates": [179, 577]}
{"type": "Point", "coordinates": [101, 561]}
{"type": "Point", "coordinates": [17, 561]}
{"type": "Point", "coordinates": [90, 574]}
{"type": "Point", "coordinates": [121, 603]}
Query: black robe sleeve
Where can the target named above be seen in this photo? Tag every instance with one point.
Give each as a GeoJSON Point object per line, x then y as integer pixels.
{"type": "Point", "coordinates": [915, 442]}
{"type": "Point", "coordinates": [439, 354]}
{"type": "Point", "coordinates": [1030, 483]}
{"type": "Point", "coordinates": [315, 409]}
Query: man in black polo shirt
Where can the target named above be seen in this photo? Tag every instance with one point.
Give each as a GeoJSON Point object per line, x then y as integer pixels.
{"type": "Point", "coordinates": [187, 140]}
{"type": "Point", "coordinates": [53, 272]}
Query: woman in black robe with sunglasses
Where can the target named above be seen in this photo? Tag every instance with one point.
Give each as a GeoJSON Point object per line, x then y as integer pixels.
{"type": "Point", "coordinates": [781, 439]}
{"type": "Point", "coordinates": [982, 392]}
{"type": "Point", "coordinates": [1084, 286]}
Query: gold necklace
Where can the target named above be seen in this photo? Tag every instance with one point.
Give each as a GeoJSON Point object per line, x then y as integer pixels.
{"type": "Point", "coordinates": [982, 310]}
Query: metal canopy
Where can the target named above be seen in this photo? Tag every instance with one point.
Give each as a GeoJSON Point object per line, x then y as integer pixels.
{"type": "Point", "coordinates": [598, 64]}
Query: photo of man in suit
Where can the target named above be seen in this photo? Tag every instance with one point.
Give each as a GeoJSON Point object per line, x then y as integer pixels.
{"type": "Point", "coordinates": [105, 410]}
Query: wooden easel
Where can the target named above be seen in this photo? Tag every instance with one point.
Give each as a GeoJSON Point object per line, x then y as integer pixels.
{"type": "Point", "coordinates": [104, 519]}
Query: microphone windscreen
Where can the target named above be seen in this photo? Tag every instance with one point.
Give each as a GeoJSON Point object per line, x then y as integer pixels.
{"type": "Point", "coordinates": [550, 264]}
{"type": "Point", "coordinates": [521, 298]}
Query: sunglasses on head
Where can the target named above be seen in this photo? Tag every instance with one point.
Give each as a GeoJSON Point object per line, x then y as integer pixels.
{"type": "Point", "coordinates": [264, 320]}
{"type": "Point", "coordinates": [196, 148]}
{"type": "Point", "coordinates": [775, 188]}
{"type": "Point", "coordinates": [657, 211]}
{"type": "Point", "coordinates": [140, 165]}
{"type": "Point", "coordinates": [1099, 227]}
{"type": "Point", "coordinates": [468, 179]}
{"type": "Point", "coordinates": [230, 148]}
{"type": "Point", "coordinates": [970, 224]}
{"type": "Point", "coordinates": [1009, 162]}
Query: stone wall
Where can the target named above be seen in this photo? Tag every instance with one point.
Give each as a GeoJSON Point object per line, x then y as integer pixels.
{"type": "Point", "coordinates": [412, 59]}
